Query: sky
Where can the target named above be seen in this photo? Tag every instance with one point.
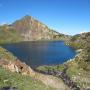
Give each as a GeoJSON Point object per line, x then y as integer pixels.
{"type": "Point", "coordinates": [65, 16]}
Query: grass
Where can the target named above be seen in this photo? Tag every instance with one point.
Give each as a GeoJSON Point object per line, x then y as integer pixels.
{"type": "Point", "coordinates": [78, 74]}
{"type": "Point", "coordinates": [56, 67]}
{"type": "Point", "coordinates": [21, 82]}
{"type": "Point", "coordinates": [4, 54]}
{"type": "Point", "coordinates": [74, 71]}
{"type": "Point", "coordinates": [8, 35]}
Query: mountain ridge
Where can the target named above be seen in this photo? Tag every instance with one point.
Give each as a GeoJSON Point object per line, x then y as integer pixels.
{"type": "Point", "coordinates": [31, 29]}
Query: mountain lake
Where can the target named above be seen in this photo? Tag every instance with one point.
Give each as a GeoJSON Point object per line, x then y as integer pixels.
{"type": "Point", "coordinates": [37, 53]}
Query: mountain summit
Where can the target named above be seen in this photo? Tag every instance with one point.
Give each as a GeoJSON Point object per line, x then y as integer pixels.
{"type": "Point", "coordinates": [31, 29]}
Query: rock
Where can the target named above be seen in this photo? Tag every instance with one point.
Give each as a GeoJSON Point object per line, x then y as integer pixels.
{"type": "Point", "coordinates": [31, 29]}
{"type": "Point", "coordinates": [3, 62]}
{"type": "Point", "coordinates": [17, 66]}
{"type": "Point", "coordinates": [12, 67]}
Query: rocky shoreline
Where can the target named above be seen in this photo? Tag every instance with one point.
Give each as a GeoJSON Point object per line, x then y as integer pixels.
{"type": "Point", "coordinates": [61, 74]}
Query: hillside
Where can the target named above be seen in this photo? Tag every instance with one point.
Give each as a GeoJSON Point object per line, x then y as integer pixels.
{"type": "Point", "coordinates": [20, 82]}
{"type": "Point", "coordinates": [8, 35]}
{"type": "Point", "coordinates": [79, 41]}
{"type": "Point", "coordinates": [31, 29]}
{"type": "Point", "coordinates": [28, 29]}
{"type": "Point", "coordinates": [78, 68]}
{"type": "Point", "coordinates": [80, 71]}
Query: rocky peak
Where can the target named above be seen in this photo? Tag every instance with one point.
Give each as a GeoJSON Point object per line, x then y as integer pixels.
{"type": "Point", "coordinates": [31, 29]}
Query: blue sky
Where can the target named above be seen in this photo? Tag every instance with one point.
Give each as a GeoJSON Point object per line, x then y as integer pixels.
{"type": "Point", "coordinates": [65, 16]}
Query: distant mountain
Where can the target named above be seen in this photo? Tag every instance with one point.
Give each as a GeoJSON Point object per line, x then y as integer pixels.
{"type": "Point", "coordinates": [31, 29]}
{"type": "Point", "coordinates": [28, 29]}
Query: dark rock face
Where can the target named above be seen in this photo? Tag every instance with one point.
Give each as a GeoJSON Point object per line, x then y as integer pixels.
{"type": "Point", "coordinates": [31, 29]}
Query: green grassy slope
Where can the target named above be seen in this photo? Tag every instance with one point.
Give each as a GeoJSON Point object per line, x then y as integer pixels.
{"type": "Point", "coordinates": [5, 55]}
{"type": "Point", "coordinates": [8, 35]}
{"type": "Point", "coordinates": [21, 82]}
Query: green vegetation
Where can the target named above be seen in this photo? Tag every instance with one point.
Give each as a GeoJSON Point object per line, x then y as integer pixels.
{"type": "Point", "coordinates": [46, 68]}
{"type": "Point", "coordinates": [79, 68]}
{"type": "Point", "coordinates": [21, 82]}
{"type": "Point", "coordinates": [8, 35]}
{"type": "Point", "coordinates": [79, 73]}
{"type": "Point", "coordinates": [79, 41]}
{"type": "Point", "coordinates": [5, 55]}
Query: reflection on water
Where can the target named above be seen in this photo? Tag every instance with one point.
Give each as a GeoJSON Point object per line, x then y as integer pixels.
{"type": "Point", "coordinates": [42, 53]}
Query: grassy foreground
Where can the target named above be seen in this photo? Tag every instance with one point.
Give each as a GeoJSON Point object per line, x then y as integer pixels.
{"type": "Point", "coordinates": [21, 82]}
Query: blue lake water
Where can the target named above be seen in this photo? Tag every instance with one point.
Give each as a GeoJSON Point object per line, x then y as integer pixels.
{"type": "Point", "coordinates": [41, 52]}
